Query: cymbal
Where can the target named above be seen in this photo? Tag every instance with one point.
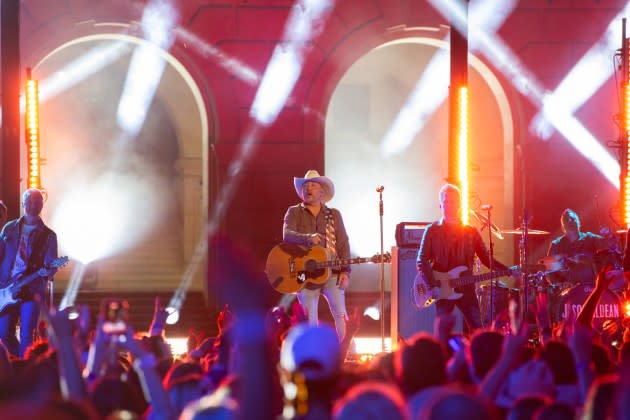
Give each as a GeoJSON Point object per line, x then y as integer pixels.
{"type": "Point", "coordinates": [533, 268]}
{"type": "Point", "coordinates": [483, 220]}
{"type": "Point", "coordinates": [554, 263]}
{"type": "Point", "coordinates": [520, 232]}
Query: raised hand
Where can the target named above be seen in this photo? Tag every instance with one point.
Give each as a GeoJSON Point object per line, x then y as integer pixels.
{"type": "Point", "coordinates": [605, 277]}
{"type": "Point", "coordinates": [159, 318]}
{"type": "Point", "coordinates": [59, 325]}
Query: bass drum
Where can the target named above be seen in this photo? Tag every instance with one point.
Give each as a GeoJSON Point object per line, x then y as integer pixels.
{"type": "Point", "coordinates": [608, 314]}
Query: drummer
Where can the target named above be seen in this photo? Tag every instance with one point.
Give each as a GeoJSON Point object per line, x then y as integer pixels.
{"type": "Point", "coordinates": [574, 252]}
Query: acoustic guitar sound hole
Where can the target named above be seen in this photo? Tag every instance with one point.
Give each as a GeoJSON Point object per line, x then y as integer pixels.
{"type": "Point", "coordinates": [310, 266]}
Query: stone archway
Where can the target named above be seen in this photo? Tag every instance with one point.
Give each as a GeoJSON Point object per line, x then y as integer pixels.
{"type": "Point", "coordinates": [362, 108]}
{"type": "Point", "coordinates": [173, 147]}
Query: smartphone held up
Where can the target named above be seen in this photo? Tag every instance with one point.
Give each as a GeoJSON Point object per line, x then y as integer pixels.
{"type": "Point", "coordinates": [115, 315]}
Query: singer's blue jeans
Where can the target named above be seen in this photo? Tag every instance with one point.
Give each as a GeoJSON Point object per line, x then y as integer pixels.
{"type": "Point", "coordinates": [309, 299]}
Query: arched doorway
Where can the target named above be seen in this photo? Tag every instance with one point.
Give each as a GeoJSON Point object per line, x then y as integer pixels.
{"type": "Point", "coordinates": [362, 110]}
{"type": "Point", "coordinates": [145, 196]}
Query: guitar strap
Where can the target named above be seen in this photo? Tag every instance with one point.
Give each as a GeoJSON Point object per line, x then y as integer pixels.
{"type": "Point", "coordinates": [331, 235]}
{"type": "Point", "coordinates": [470, 257]}
{"type": "Point", "coordinates": [36, 260]}
{"type": "Point", "coordinates": [38, 253]}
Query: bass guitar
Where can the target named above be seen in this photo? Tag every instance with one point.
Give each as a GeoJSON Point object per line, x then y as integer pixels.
{"type": "Point", "coordinates": [291, 267]}
{"type": "Point", "coordinates": [447, 282]}
{"type": "Point", "coordinates": [7, 295]}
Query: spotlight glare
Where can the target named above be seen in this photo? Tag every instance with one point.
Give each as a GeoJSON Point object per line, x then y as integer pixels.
{"type": "Point", "coordinates": [426, 97]}
{"type": "Point", "coordinates": [173, 316]}
{"type": "Point", "coordinates": [147, 66]}
{"type": "Point", "coordinates": [586, 77]}
{"type": "Point", "coordinates": [372, 312]}
{"type": "Point", "coordinates": [305, 21]}
{"type": "Point", "coordinates": [280, 77]}
{"type": "Point", "coordinates": [178, 345]}
{"type": "Point", "coordinates": [371, 345]}
{"type": "Point", "coordinates": [527, 84]}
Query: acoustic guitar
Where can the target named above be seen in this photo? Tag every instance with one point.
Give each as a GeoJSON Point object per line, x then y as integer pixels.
{"type": "Point", "coordinates": [291, 267]}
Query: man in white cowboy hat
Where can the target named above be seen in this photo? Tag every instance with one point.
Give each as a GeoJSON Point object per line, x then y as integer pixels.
{"type": "Point", "coordinates": [313, 223]}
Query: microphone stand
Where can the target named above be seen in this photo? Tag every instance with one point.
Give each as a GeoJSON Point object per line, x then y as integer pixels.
{"type": "Point", "coordinates": [492, 281]}
{"type": "Point", "coordinates": [379, 190]}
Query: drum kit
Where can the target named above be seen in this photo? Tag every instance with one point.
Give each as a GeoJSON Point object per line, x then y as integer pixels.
{"type": "Point", "coordinates": [568, 298]}
{"type": "Point", "coordinates": [565, 298]}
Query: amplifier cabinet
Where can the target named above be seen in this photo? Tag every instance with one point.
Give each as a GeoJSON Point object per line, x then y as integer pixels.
{"type": "Point", "coordinates": [406, 319]}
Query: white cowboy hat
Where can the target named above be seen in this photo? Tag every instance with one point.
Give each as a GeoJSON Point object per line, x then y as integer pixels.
{"type": "Point", "coordinates": [314, 176]}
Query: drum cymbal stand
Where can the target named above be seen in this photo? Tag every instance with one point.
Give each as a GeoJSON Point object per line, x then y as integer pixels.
{"type": "Point", "coordinates": [523, 254]}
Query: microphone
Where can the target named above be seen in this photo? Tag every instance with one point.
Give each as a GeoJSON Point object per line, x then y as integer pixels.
{"type": "Point", "coordinates": [486, 207]}
{"type": "Point", "coordinates": [380, 188]}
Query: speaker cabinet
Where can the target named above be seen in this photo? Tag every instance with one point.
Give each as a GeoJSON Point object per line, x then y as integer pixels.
{"type": "Point", "coordinates": [406, 319]}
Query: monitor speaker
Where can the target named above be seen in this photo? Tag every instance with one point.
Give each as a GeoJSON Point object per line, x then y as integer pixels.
{"type": "Point", "coordinates": [406, 318]}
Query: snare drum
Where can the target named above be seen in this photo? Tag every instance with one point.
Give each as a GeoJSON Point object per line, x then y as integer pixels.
{"type": "Point", "coordinates": [608, 314]}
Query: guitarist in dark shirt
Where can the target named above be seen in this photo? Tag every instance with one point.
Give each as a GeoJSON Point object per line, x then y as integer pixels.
{"type": "Point", "coordinates": [447, 244]}
{"type": "Point", "coordinates": [26, 245]}
{"type": "Point", "coordinates": [306, 224]}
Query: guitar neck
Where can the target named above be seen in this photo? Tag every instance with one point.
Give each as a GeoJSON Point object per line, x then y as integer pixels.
{"type": "Point", "coordinates": [464, 281]}
{"type": "Point", "coordinates": [342, 262]}
{"type": "Point", "coordinates": [24, 281]}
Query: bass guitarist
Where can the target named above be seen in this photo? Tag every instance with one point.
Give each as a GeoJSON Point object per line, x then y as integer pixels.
{"type": "Point", "coordinates": [26, 245]}
{"type": "Point", "coordinates": [312, 223]}
{"type": "Point", "coordinates": [447, 244]}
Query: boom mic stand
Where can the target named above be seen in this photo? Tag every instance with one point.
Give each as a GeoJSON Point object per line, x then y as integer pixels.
{"type": "Point", "coordinates": [379, 190]}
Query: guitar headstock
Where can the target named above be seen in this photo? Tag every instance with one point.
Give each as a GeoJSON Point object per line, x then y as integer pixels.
{"type": "Point", "coordinates": [386, 257]}
{"type": "Point", "coordinates": [59, 262]}
{"type": "Point", "coordinates": [50, 269]}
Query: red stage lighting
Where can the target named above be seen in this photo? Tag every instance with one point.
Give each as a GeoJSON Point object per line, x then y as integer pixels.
{"type": "Point", "coordinates": [32, 133]}
{"type": "Point", "coordinates": [463, 150]}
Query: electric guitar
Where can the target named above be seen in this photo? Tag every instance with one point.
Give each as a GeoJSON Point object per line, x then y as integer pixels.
{"type": "Point", "coordinates": [291, 267]}
{"type": "Point", "coordinates": [7, 295]}
{"type": "Point", "coordinates": [447, 282]}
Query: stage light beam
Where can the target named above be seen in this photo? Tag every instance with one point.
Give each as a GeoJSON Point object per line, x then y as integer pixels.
{"type": "Point", "coordinates": [528, 85]}
{"type": "Point", "coordinates": [305, 22]}
{"type": "Point", "coordinates": [147, 66]}
{"type": "Point", "coordinates": [432, 86]}
{"type": "Point", "coordinates": [586, 77]}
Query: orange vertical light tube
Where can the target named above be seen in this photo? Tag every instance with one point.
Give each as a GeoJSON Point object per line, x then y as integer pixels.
{"type": "Point", "coordinates": [463, 151]}
{"type": "Point", "coordinates": [32, 134]}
